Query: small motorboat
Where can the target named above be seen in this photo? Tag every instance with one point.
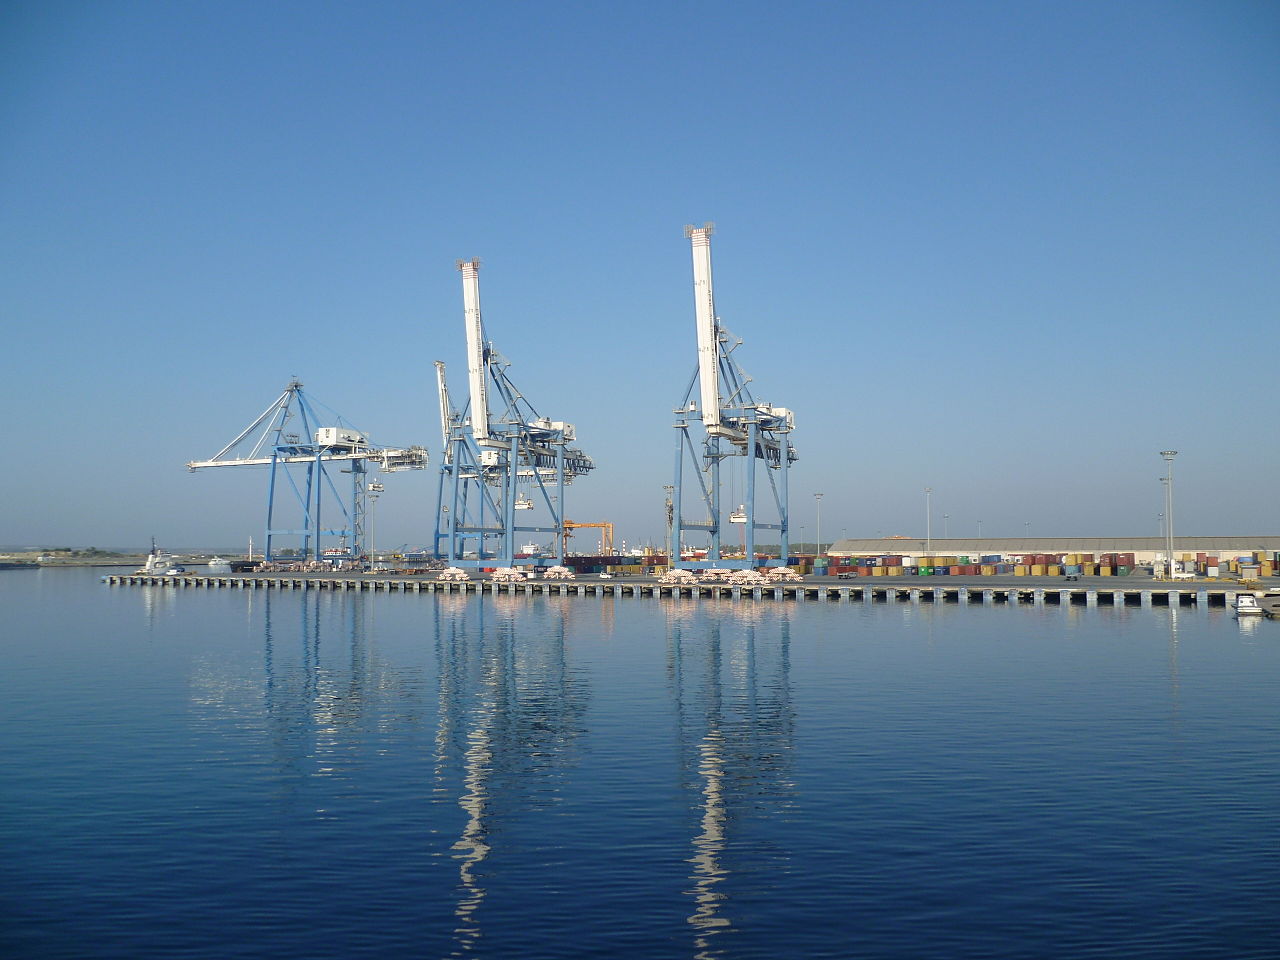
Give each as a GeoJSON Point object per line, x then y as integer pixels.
{"type": "Point", "coordinates": [1247, 606]}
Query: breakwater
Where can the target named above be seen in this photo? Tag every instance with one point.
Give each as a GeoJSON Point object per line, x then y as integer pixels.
{"type": "Point", "coordinates": [890, 593]}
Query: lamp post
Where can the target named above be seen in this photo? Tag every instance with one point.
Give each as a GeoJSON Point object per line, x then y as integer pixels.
{"type": "Point", "coordinates": [979, 539]}
{"type": "Point", "coordinates": [945, 518]}
{"type": "Point", "coordinates": [374, 490]}
{"type": "Point", "coordinates": [1168, 509]}
{"type": "Point", "coordinates": [818, 498]}
{"type": "Point", "coordinates": [928, 520]}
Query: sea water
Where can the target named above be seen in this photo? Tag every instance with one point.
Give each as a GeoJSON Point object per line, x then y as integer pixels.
{"type": "Point", "coordinates": [216, 774]}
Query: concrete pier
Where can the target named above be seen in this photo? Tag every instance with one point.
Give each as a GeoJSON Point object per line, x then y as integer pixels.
{"type": "Point", "coordinates": [865, 593]}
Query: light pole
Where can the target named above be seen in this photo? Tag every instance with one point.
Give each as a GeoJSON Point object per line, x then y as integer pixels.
{"type": "Point", "coordinates": [928, 520]}
{"type": "Point", "coordinates": [818, 497]}
{"type": "Point", "coordinates": [1164, 529]}
{"type": "Point", "coordinates": [945, 518]}
{"type": "Point", "coordinates": [374, 489]}
{"type": "Point", "coordinates": [979, 539]}
{"type": "Point", "coordinates": [1168, 509]}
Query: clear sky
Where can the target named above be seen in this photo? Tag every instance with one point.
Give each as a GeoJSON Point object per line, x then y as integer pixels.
{"type": "Point", "coordinates": [1006, 250]}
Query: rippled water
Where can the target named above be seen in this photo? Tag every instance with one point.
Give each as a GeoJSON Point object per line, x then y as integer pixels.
{"type": "Point", "coordinates": [226, 774]}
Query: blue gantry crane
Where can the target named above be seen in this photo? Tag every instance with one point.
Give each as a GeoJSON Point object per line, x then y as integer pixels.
{"type": "Point", "coordinates": [733, 424]}
{"type": "Point", "coordinates": [501, 458]}
{"type": "Point", "coordinates": [302, 450]}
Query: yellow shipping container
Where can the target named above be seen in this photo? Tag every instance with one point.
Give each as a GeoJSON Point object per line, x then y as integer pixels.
{"type": "Point", "coordinates": [878, 571]}
{"type": "Point", "coordinates": [988, 570]}
{"type": "Point", "coordinates": [1104, 571]}
{"type": "Point", "coordinates": [895, 571]}
{"type": "Point", "coordinates": [1089, 569]}
{"type": "Point", "coordinates": [1020, 570]}
{"type": "Point", "coordinates": [1266, 568]}
{"type": "Point", "coordinates": [1037, 569]}
{"type": "Point", "coordinates": [1055, 570]}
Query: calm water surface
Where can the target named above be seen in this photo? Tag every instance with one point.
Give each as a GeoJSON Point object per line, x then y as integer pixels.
{"type": "Point", "coordinates": [225, 774]}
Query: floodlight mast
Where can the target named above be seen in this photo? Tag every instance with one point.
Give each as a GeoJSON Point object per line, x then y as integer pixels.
{"type": "Point", "coordinates": [734, 424]}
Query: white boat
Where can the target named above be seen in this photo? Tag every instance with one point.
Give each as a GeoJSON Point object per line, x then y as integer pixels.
{"type": "Point", "coordinates": [219, 565]}
{"type": "Point", "coordinates": [1247, 606]}
{"type": "Point", "coordinates": [161, 564]}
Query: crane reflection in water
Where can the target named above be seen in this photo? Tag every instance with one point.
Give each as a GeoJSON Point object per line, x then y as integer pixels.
{"type": "Point", "coordinates": [510, 710]}
{"type": "Point", "coordinates": [729, 678]}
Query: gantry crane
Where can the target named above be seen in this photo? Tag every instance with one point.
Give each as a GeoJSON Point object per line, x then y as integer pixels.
{"type": "Point", "coordinates": [289, 439]}
{"type": "Point", "coordinates": [733, 422]}
{"type": "Point", "coordinates": [606, 535]}
{"type": "Point", "coordinates": [500, 456]}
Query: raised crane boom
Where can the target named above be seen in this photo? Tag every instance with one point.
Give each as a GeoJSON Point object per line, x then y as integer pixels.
{"type": "Point", "coordinates": [477, 352]}
{"type": "Point", "coordinates": [446, 411]}
{"type": "Point", "coordinates": [704, 308]}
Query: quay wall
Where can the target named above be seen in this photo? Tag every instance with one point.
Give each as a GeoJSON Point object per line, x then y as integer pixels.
{"type": "Point", "coordinates": [1122, 595]}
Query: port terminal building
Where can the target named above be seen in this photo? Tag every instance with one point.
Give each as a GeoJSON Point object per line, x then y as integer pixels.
{"type": "Point", "coordinates": [1145, 550]}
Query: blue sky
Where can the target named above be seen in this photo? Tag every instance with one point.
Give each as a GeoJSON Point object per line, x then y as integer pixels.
{"type": "Point", "coordinates": [1006, 250]}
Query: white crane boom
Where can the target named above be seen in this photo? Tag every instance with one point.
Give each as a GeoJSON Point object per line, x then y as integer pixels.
{"type": "Point", "coordinates": [477, 363]}
{"type": "Point", "coordinates": [705, 314]}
